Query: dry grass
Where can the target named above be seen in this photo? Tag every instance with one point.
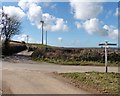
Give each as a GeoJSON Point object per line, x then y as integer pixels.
{"type": "Point", "coordinates": [102, 82]}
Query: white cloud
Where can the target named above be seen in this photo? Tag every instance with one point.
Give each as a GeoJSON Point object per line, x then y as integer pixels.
{"type": "Point", "coordinates": [85, 10]}
{"type": "Point", "coordinates": [59, 25]}
{"type": "Point", "coordinates": [24, 4]}
{"type": "Point", "coordinates": [13, 11]}
{"type": "Point", "coordinates": [48, 18]}
{"type": "Point", "coordinates": [22, 37]}
{"type": "Point", "coordinates": [112, 32]}
{"type": "Point", "coordinates": [117, 13]}
{"type": "Point", "coordinates": [94, 26]}
{"type": "Point", "coordinates": [60, 39]}
{"type": "Point", "coordinates": [78, 25]}
{"type": "Point", "coordinates": [35, 15]}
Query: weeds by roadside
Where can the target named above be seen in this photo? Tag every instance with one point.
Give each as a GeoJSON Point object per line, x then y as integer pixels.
{"type": "Point", "coordinates": [99, 81]}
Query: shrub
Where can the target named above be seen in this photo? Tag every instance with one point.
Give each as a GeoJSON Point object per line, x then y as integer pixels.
{"type": "Point", "coordinates": [13, 49]}
{"type": "Point", "coordinates": [39, 53]}
{"type": "Point", "coordinates": [77, 54]}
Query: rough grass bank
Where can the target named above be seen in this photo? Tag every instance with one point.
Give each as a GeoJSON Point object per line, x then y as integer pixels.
{"type": "Point", "coordinates": [77, 56]}
{"type": "Point", "coordinates": [97, 81]}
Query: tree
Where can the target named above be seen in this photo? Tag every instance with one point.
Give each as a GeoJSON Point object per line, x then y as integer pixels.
{"type": "Point", "coordinates": [11, 27]}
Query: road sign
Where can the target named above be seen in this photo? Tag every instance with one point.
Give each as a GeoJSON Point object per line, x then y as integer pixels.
{"type": "Point", "coordinates": [102, 44]}
{"type": "Point", "coordinates": [106, 45]}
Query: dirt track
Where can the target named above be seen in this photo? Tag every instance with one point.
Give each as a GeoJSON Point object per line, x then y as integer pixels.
{"type": "Point", "coordinates": [24, 76]}
{"type": "Point", "coordinates": [25, 81]}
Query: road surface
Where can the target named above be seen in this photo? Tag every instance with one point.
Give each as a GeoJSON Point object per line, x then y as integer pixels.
{"type": "Point", "coordinates": [21, 75]}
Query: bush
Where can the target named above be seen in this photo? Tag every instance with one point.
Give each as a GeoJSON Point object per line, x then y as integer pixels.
{"type": "Point", "coordinates": [11, 49]}
{"type": "Point", "coordinates": [38, 53]}
{"type": "Point", "coordinates": [23, 42]}
{"type": "Point", "coordinates": [77, 54]}
{"type": "Point", "coordinates": [31, 48]}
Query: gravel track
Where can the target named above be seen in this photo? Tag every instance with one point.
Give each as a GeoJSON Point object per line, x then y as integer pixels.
{"type": "Point", "coordinates": [21, 75]}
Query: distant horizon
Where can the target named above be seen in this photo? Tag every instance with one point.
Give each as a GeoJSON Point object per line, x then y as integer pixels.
{"type": "Point", "coordinates": [65, 46]}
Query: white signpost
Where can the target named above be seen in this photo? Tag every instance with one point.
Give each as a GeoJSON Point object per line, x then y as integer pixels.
{"type": "Point", "coordinates": [106, 45]}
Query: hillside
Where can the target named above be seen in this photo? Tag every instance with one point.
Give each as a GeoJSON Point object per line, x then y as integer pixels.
{"type": "Point", "coordinates": [76, 55]}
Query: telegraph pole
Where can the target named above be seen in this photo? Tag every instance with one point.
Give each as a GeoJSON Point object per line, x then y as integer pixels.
{"type": "Point", "coordinates": [106, 45]}
{"type": "Point", "coordinates": [46, 39]}
{"type": "Point", "coordinates": [27, 39]}
{"type": "Point", "coordinates": [42, 30]}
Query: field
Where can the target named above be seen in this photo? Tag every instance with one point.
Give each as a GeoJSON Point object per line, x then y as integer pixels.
{"type": "Point", "coordinates": [95, 81]}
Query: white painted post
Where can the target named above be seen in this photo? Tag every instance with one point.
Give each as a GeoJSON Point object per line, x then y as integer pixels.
{"type": "Point", "coordinates": [106, 69]}
{"type": "Point", "coordinates": [106, 44]}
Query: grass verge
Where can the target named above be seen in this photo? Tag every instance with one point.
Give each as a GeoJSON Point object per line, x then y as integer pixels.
{"type": "Point", "coordinates": [99, 81]}
{"type": "Point", "coordinates": [82, 63]}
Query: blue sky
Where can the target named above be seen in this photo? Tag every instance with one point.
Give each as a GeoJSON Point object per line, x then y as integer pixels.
{"type": "Point", "coordinates": [74, 27]}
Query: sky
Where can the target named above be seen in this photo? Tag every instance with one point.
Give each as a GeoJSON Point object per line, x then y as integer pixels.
{"type": "Point", "coordinates": [68, 24]}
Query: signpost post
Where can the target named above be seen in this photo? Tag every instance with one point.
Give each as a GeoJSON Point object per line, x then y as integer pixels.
{"type": "Point", "coordinates": [106, 45]}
